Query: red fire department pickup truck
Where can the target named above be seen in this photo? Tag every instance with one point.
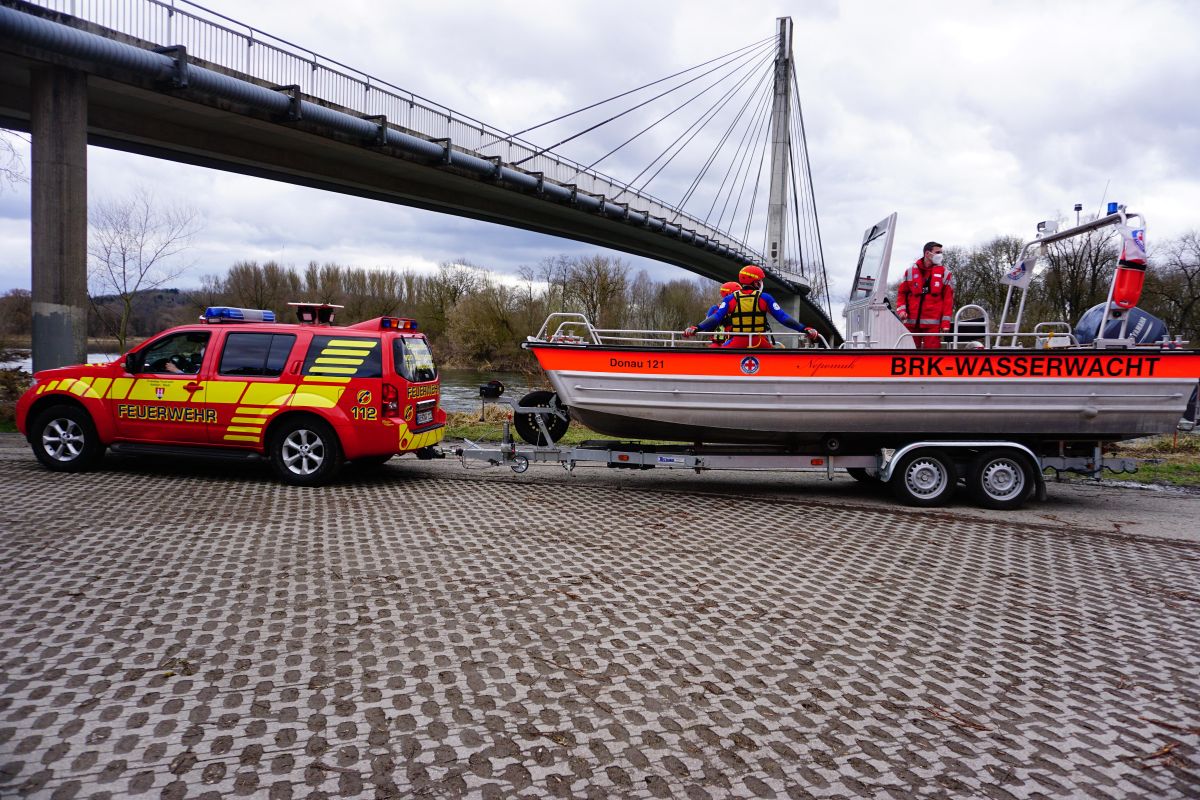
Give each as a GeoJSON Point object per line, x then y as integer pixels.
{"type": "Point", "coordinates": [306, 396]}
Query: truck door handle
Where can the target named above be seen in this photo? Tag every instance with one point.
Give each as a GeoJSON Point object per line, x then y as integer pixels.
{"type": "Point", "coordinates": [193, 386]}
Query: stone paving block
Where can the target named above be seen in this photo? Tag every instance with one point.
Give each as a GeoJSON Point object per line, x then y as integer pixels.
{"type": "Point", "coordinates": [465, 634]}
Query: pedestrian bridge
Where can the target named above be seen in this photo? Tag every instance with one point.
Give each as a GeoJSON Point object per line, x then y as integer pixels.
{"type": "Point", "coordinates": [158, 79]}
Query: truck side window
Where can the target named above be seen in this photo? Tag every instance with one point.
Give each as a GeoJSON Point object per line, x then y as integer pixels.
{"type": "Point", "coordinates": [413, 359]}
{"type": "Point", "coordinates": [179, 354]}
{"type": "Point", "coordinates": [260, 354]}
{"type": "Point", "coordinates": [344, 357]}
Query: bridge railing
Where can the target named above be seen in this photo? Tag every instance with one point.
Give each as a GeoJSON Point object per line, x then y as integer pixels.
{"type": "Point", "coordinates": [221, 40]}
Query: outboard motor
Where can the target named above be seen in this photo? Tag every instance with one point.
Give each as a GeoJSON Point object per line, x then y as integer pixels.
{"type": "Point", "coordinates": [1143, 327]}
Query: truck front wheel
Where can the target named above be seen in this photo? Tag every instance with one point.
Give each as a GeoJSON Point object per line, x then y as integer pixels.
{"type": "Point", "coordinates": [65, 440]}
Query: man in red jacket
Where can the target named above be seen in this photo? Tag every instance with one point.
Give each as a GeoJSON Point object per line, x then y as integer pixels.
{"type": "Point", "coordinates": [925, 298]}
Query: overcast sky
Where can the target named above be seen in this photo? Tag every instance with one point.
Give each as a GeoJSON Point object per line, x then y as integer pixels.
{"type": "Point", "coordinates": [971, 119]}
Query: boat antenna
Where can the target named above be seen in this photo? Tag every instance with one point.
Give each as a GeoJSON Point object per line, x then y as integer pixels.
{"type": "Point", "coordinates": [1103, 198]}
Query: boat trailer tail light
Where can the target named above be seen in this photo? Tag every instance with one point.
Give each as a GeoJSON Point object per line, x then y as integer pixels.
{"type": "Point", "coordinates": [817, 462]}
{"type": "Point", "coordinates": [391, 401]}
{"type": "Point", "coordinates": [622, 457]}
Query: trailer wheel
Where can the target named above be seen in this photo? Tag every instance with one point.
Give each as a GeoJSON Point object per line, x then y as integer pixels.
{"type": "Point", "coordinates": [526, 424]}
{"type": "Point", "coordinates": [1001, 479]}
{"type": "Point", "coordinates": [924, 478]}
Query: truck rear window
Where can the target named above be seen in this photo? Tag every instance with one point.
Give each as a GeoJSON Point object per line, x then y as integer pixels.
{"type": "Point", "coordinates": [344, 357]}
{"type": "Point", "coordinates": [263, 354]}
{"type": "Point", "coordinates": [413, 359]}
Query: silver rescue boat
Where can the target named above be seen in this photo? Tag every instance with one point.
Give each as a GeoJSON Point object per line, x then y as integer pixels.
{"type": "Point", "coordinates": [1033, 385]}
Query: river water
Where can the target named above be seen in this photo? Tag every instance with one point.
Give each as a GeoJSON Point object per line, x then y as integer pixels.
{"type": "Point", "coordinates": [460, 387]}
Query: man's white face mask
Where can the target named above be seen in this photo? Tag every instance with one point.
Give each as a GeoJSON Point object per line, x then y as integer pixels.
{"type": "Point", "coordinates": [936, 258]}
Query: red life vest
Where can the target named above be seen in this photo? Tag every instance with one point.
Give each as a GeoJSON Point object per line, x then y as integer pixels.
{"type": "Point", "coordinates": [927, 295]}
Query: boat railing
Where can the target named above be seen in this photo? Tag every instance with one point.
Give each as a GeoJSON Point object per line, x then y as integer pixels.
{"type": "Point", "coordinates": [959, 318]}
{"type": "Point", "coordinates": [1044, 336]}
{"type": "Point", "coordinates": [643, 338]}
{"type": "Point", "coordinates": [567, 327]}
{"type": "Point", "coordinates": [1055, 334]}
{"type": "Point", "coordinates": [575, 328]}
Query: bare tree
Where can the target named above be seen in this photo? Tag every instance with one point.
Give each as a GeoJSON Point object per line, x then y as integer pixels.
{"type": "Point", "coordinates": [598, 287]}
{"type": "Point", "coordinates": [12, 166]}
{"type": "Point", "coordinates": [267, 286]}
{"type": "Point", "coordinates": [978, 270]}
{"type": "Point", "coordinates": [454, 281]}
{"type": "Point", "coordinates": [1173, 285]}
{"type": "Point", "coordinates": [1079, 274]}
{"type": "Point", "coordinates": [134, 246]}
{"type": "Point", "coordinates": [16, 316]}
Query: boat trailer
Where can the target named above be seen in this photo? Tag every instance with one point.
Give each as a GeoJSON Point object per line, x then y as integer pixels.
{"type": "Point", "coordinates": [1000, 474]}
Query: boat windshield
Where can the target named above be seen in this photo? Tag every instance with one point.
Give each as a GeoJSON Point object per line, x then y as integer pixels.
{"type": "Point", "coordinates": [870, 263]}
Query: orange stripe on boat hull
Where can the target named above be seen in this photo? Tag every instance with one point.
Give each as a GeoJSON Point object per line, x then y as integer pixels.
{"type": "Point", "coordinates": [1016, 365]}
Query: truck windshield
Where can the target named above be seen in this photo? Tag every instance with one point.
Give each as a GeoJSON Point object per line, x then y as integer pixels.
{"type": "Point", "coordinates": [413, 359]}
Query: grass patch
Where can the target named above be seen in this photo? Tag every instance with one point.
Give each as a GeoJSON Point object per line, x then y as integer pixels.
{"type": "Point", "coordinates": [1171, 460]}
{"type": "Point", "coordinates": [13, 383]}
{"type": "Point", "coordinates": [1170, 474]}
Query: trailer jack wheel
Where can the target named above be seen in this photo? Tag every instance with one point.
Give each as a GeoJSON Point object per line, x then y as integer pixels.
{"type": "Point", "coordinates": [519, 464]}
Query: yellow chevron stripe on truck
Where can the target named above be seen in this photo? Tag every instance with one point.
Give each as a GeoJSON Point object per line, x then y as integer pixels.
{"type": "Point", "coordinates": [415, 441]}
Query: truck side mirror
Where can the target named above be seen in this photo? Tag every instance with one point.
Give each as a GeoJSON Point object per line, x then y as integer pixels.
{"type": "Point", "coordinates": [133, 362]}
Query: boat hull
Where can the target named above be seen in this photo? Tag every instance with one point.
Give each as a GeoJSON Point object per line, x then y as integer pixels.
{"type": "Point", "coordinates": [795, 397]}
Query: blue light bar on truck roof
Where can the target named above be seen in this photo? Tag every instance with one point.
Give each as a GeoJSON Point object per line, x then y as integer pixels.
{"type": "Point", "coordinates": [230, 314]}
{"type": "Point", "coordinates": [398, 323]}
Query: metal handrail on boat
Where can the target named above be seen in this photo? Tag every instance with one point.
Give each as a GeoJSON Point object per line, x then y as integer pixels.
{"type": "Point", "coordinates": [568, 324]}
{"type": "Point", "coordinates": [958, 318]}
{"type": "Point", "coordinates": [992, 340]}
{"type": "Point", "coordinates": [1047, 331]}
{"type": "Point", "coordinates": [575, 328]}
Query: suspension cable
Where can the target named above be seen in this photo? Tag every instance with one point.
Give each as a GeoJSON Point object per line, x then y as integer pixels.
{"type": "Point", "coordinates": [757, 120]}
{"type": "Point", "coordinates": [623, 113]}
{"type": "Point", "coordinates": [718, 105]}
{"type": "Point", "coordinates": [754, 194]}
{"type": "Point", "coordinates": [808, 171]}
{"type": "Point", "coordinates": [704, 171]}
{"type": "Point", "coordinates": [624, 94]}
{"type": "Point", "coordinates": [702, 123]}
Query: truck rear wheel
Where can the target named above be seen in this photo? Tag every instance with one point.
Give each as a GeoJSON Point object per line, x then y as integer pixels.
{"type": "Point", "coordinates": [305, 452]}
{"type": "Point", "coordinates": [65, 440]}
{"type": "Point", "coordinates": [924, 478]}
{"type": "Point", "coordinates": [1001, 479]}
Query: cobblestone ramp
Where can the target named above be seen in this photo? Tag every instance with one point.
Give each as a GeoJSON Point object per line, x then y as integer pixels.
{"type": "Point", "coordinates": [452, 634]}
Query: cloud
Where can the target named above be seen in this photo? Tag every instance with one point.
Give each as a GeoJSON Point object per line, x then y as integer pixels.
{"type": "Point", "coordinates": [969, 119]}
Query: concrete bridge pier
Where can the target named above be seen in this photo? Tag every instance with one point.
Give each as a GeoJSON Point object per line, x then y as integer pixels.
{"type": "Point", "coordinates": [58, 124]}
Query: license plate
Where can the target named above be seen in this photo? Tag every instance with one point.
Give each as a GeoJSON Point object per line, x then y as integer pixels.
{"type": "Point", "coordinates": [424, 417]}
